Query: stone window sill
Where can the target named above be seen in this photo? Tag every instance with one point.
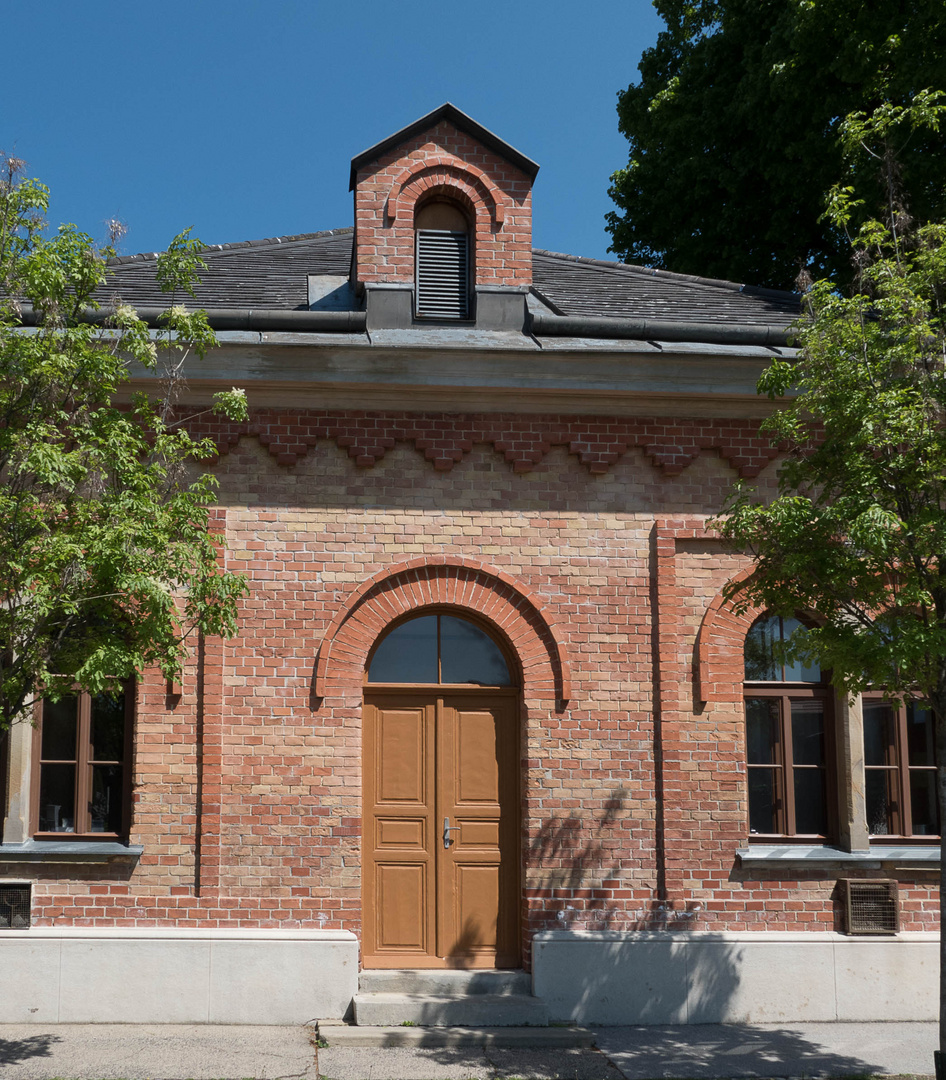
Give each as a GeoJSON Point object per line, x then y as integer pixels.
{"type": "Point", "coordinates": [79, 851]}
{"type": "Point", "coordinates": [920, 858]}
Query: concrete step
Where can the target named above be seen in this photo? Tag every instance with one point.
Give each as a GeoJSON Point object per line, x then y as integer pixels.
{"type": "Point", "coordinates": [343, 1035]}
{"type": "Point", "coordinates": [432, 1010]}
{"type": "Point", "coordinates": [444, 983]}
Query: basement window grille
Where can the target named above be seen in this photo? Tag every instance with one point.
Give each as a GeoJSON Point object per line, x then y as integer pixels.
{"type": "Point", "coordinates": [14, 907]}
{"type": "Point", "coordinates": [870, 907]}
{"type": "Point", "coordinates": [442, 261]}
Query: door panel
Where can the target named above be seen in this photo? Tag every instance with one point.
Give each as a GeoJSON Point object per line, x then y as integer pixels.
{"type": "Point", "coordinates": [399, 875]}
{"type": "Point", "coordinates": [428, 757]}
{"type": "Point", "coordinates": [403, 893]}
{"type": "Point", "coordinates": [478, 791]}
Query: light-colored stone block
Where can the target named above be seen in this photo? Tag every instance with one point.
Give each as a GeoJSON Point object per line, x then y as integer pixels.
{"type": "Point", "coordinates": [760, 982]}
{"type": "Point", "coordinates": [763, 977]}
{"type": "Point", "coordinates": [608, 977]}
{"type": "Point", "coordinates": [164, 976]}
{"type": "Point", "coordinates": [281, 982]}
{"type": "Point", "coordinates": [135, 981]}
{"type": "Point", "coordinates": [29, 980]}
{"type": "Point", "coordinates": [887, 979]}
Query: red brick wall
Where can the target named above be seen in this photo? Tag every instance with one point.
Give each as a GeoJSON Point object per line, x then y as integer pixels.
{"type": "Point", "coordinates": [443, 161]}
{"type": "Point", "coordinates": [584, 540]}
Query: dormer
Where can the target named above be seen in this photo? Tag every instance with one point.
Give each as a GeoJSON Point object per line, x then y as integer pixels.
{"type": "Point", "coordinates": [443, 226]}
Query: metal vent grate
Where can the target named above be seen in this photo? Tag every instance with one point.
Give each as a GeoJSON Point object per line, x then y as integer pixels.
{"type": "Point", "coordinates": [14, 907]}
{"type": "Point", "coordinates": [870, 907]}
{"type": "Point", "coordinates": [443, 274]}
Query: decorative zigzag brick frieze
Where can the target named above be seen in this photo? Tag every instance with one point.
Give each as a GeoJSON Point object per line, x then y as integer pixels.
{"type": "Point", "coordinates": [443, 438]}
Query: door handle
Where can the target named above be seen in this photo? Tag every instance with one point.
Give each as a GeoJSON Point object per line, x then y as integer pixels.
{"type": "Point", "coordinates": [447, 830]}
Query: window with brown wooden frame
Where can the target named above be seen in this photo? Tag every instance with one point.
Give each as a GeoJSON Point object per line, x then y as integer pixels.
{"type": "Point", "coordinates": [900, 767]}
{"type": "Point", "coordinates": [81, 766]}
{"type": "Point", "coordinates": [788, 750]}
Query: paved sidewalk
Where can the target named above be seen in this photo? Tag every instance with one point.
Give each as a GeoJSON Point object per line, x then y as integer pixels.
{"type": "Point", "coordinates": [154, 1051]}
{"type": "Point", "coordinates": [215, 1052]}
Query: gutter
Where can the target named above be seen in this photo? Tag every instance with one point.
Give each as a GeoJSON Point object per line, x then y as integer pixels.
{"type": "Point", "coordinates": [331, 322]}
{"type": "Point", "coordinates": [539, 325]}
{"type": "Point", "coordinates": [588, 326]}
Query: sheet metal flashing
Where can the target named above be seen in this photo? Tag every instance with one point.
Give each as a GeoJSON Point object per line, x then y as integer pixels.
{"type": "Point", "coordinates": [578, 329]}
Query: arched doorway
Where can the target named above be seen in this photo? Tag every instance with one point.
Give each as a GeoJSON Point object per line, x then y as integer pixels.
{"type": "Point", "coordinates": [441, 797]}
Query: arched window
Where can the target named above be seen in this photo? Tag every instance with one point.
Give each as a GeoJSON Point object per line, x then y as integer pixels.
{"type": "Point", "coordinates": [788, 749]}
{"type": "Point", "coordinates": [441, 261]}
{"type": "Point", "coordinates": [438, 649]}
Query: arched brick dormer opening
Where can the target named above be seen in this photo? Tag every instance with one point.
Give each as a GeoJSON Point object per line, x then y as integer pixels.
{"type": "Point", "coordinates": [446, 184]}
{"type": "Point", "coordinates": [511, 609]}
{"type": "Point", "coordinates": [452, 175]}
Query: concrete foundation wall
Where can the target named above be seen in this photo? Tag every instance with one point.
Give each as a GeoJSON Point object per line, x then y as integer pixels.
{"type": "Point", "coordinates": [74, 975]}
{"type": "Point", "coordinates": [703, 978]}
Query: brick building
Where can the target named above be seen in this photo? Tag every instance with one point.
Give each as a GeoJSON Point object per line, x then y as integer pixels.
{"type": "Point", "coordinates": [486, 708]}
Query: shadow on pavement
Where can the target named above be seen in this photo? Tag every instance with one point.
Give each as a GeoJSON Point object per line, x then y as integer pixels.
{"type": "Point", "coordinates": [732, 1050]}
{"type": "Point", "coordinates": [16, 1051]}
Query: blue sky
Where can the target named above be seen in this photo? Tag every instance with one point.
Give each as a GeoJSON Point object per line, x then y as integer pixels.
{"type": "Point", "coordinates": [240, 117]}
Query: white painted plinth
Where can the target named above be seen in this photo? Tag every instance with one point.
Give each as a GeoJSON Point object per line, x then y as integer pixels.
{"type": "Point", "coordinates": [107, 976]}
{"type": "Point", "coordinates": [707, 978]}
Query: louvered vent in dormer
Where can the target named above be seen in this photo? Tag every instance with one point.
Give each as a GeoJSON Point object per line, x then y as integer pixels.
{"type": "Point", "coordinates": [442, 274]}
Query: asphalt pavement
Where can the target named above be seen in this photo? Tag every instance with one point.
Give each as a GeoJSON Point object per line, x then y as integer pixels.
{"type": "Point", "coordinates": [697, 1052]}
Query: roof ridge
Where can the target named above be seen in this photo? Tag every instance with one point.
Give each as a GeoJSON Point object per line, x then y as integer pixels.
{"type": "Point", "coordinates": [211, 249]}
{"type": "Point", "coordinates": [690, 279]}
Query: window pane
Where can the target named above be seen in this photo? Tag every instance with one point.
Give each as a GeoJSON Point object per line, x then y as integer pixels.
{"type": "Point", "coordinates": [108, 727]}
{"type": "Point", "coordinates": [923, 802]}
{"type": "Point", "coordinates": [762, 731]}
{"type": "Point", "coordinates": [881, 801]}
{"type": "Point", "coordinates": [797, 671]}
{"type": "Point", "coordinates": [408, 654]}
{"type": "Point", "coordinates": [920, 735]}
{"type": "Point", "coordinates": [879, 724]}
{"type": "Point", "coordinates": [760, 666]}
{"type": "Point", "coordinates": [57, 798]}
{"type": "Point", "coordinates": [763, 801]}
{"type": "Point", "coordinates": [810, 802]}
{"type": "Point", "coordinates": [59, 729]}
{"type": "Point", "coordinates": [469, 655]}
{"type": "Point", "coordinates": [808, 732]}
{"type": "Point", "coordinates": [105, 808]}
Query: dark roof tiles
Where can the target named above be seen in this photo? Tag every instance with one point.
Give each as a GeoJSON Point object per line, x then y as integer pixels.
{"type": "Point", "coordinates": [272, 274]}
{"type": "Point", "coordinates": [574, 286]}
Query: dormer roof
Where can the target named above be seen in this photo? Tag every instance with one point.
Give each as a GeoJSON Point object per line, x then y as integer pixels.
{"type": "Point", "coordinates": [460, 120]}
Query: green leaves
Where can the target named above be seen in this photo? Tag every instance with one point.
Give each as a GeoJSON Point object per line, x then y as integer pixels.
{"type": "Point", "coordinates": [731, 129]}
{"type": "Point", "coordinates": [178, 268]}
{"type": "Point", "coordinates": [107, 560]}
{"type": "Point", "coordinates": [857, 531]}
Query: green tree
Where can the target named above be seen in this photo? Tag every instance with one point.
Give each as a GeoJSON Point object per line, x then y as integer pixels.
{"type": "Point", "coordinates": [857, 532]}
{"type": "Point", "coordinates": [731, 131]}
{"type": "Point", "coordinates": [107, 562]}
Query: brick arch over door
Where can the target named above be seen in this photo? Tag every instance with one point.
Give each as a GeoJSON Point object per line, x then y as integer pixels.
{"type": "Point", "coordinates": [510, 607]}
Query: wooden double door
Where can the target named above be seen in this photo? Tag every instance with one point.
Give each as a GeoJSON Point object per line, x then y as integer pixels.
{"type": "Point", "coordinates": [441, 828]}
